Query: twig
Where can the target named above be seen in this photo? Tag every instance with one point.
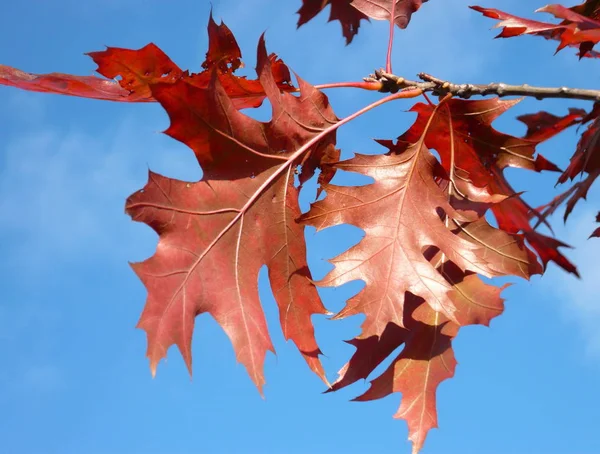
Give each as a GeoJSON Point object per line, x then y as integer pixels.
{"type": "Point", "coordinates": [392, 83]}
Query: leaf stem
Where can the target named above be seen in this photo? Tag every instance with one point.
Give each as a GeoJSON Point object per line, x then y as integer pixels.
{"type": "Point", "coordinates": [388, 58]}
{"type": "Point", "coordinates": [372, 86]}
{"type": "Point", "coordinates": [392, 83]}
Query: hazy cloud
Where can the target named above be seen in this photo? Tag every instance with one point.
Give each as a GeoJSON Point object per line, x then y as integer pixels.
{"type": "Point", "coordinates": [578, 299]}
{"type": "Point", "coordinates": [63, 192]}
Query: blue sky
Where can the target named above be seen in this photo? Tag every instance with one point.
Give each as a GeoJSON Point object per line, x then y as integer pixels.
{"type": "Point", "coordinates": [74, 379]}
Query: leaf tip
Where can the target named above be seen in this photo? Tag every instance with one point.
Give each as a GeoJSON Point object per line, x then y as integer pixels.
{"type": "Point", "coordinates": [153, 365]}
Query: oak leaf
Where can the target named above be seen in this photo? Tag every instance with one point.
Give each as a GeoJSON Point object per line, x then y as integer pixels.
{"type": "Point", "coordinates": [543, 125]}
{"type": "Point", "coordinates": [475, 154]}
{"type": "Point", "coordinates": [138, 69]}
{"type": "Point", "coordinates": [427, 357]}
{"type": "Point", "coordinates": [341, 10]}
{"type": "Point", "coordinates": [426, 360]}
{"type": "Point", "coordinates": [223, 51]}
{"type": "Point", "coordinates": [577, 29]}
{"type": "Point", "coordinates": [397, 11]}
{"type": "Point", "coordinates": [585, 160]}
{"type": "Point", "coordinates": [216, 234]}
{"type": "Point", "coordinates": [400, 213]}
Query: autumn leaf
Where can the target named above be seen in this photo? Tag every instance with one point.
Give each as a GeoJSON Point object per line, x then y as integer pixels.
{"type": "Point", "coordinates": [462, 133]}
{"type": "Point", "coordinates": [341, 10]}
{"type": "Point", "coordinates": [425, 244]}
{"type": "Point", "coordinates": [576, 29]}
{"type": "Point", "coordinates": [428, 239]}
{"type": "Point", "coordinates": [400, 11]}
{"type": "Point", "coordinates": [400, 215]}
{"type": "Point", "coordinates": [475, 154]}
{"type": "Point", "coordinates": [214, 235]}
{"type": "Point", "coordinates": [427, 354]}
{"type": "Point", "coordinates": [587, 154]}
{"type": "Point", "coordinates": [589, 8]}
{"type": "Point", "coordinates": [66, 84]}
{"type": "Point", "coordinates": [137, 70]}
{"type": "Point", "coordinates": [585, 160]}
{"type": "Point", "coordinates": [223, 50]}
{"type": "Point", "coordinates": [543, 125]}
{"type": "Point", "coordinates": [426, 358]}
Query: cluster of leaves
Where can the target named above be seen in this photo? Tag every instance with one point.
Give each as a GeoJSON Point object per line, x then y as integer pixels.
{"type": "Point", "coordinates": [427, 241]}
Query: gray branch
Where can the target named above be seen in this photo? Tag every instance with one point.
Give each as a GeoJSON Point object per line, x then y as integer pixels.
{"type": "Point", "coordinates": [439, 87]}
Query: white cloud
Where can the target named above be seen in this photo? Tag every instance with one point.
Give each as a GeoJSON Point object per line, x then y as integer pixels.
{"type": "Point", "coordinates": [64, 191]}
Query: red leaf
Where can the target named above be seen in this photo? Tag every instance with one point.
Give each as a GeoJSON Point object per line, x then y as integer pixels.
{"type": "Point", "coordinates": [140, 69]}
{"type": "Point", "coordinates": [341, 10]}
{"type": "Point", "coordinates": [66, 84]}
{"type": "Point", "coordinates": [370, 352]}
{"type": "Point", "coordinates": [426, 360]}
{"type": "Point", "coordinates": [462, 133]}
{"type": "Point", "coordinates": [223, 50]}
{"type": "Point", "coordinates": [401, 10]}
{"type": "Point", "coordinates": [215, 235]}
{"type": "Point", "coordinates": [571, 196]}
{"type": "Point", "coordinates": [575, 30]}
{"type": "Point", "coordinates": [400, 214]}
{"type": "Point", "coordinates": [589, 8]}
{"type": "Point", "coordinates": [542, 125]}
{"type": "Point", "coordinates": [475, 153]}
{"type": "Point", "coordinates": [587, 153]}
{"type": "Point", "coordinates": [513, 215]}
{"type": "Point", "coordinates": [586, 159]}
{"type": "Point", "coordinates": [477, 303]}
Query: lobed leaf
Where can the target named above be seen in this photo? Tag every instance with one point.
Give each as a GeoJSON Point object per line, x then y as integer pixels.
{"type": "Point", "coordinates": [138, 70]}
{"type": "Point", "coordinates": [216, 234]}
{"type": "Point", "coordinates": [397, 11]}
{"type": "Point", "coordinates": [341, 10]}
{"type": "Point", "coordinates": [580, 26]}
{"type": "Point", "coordinates": [425, 244]}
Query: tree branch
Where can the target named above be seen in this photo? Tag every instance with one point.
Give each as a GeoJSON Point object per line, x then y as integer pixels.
{"type": "Point", "coordinates": [392, 83]}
